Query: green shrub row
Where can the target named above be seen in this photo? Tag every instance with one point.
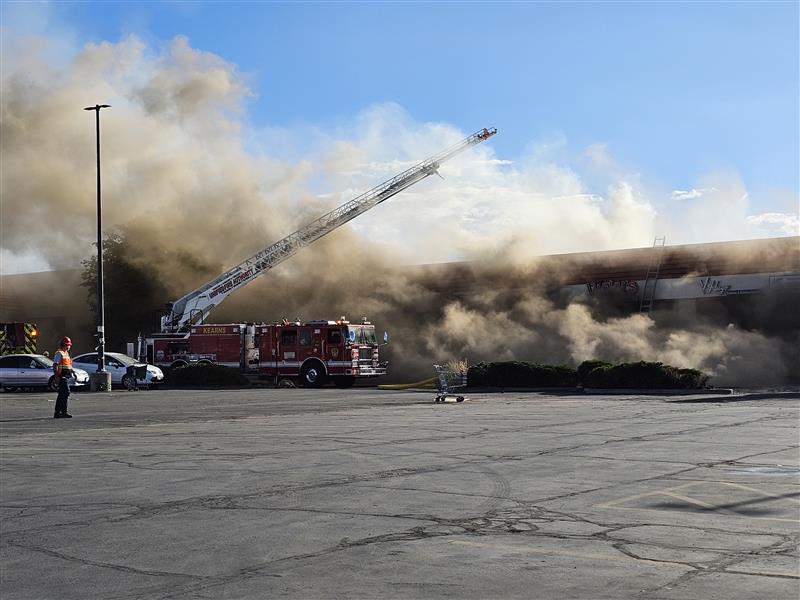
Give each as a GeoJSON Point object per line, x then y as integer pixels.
{"type": "Point", "coordinates": [590, 373]}
{"type": "Point", "coordinates": [520, 374]}
{"type": "Point", "coordinates": [205, 375]}
{"type": "Point", "coordinates": [647, 375]}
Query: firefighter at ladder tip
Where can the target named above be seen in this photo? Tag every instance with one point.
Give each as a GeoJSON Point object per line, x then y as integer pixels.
{"type": "Point", "coordinates": [62, 368]}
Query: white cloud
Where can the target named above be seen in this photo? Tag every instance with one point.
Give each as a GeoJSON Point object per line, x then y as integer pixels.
{"type": "Point", "coordinates": [719, 208]}
{"type": "Point", "coordinates": [691, 194]}
{"type": "Point", "coordinates": [772, 222]}
{"type": "Point", "coordinates": [525, 207]}
{"type": "Point", "coordinates": [498, 161]}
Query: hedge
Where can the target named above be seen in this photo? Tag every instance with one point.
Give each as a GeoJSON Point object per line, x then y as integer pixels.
{"type": "Point", "coordinates": [588, 366]}
{"type": "Point", "coordinates": [646, 375]}
{"type": "Point", "coordinates": [590, 373]}
{"type": "Point", "coordinates": [205, 375]}
{"type": "Point", "coordinates": [520, 374]}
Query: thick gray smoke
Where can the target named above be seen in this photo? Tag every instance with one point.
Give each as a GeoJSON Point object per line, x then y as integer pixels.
{"type": "Point", "coordinates": [193, 201]}
{"type": "Point", "coordinates": [507, 314]}
{"type": "Point", "coordinates": [174, 170]}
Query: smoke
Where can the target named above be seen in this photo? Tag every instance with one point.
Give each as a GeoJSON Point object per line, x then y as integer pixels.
{"type": "Point", "coordinates": [495, 313]}
{"type": "Point", "coordinates": [175, 174]}
{"type": "Point", "coordinates": [195, 189]}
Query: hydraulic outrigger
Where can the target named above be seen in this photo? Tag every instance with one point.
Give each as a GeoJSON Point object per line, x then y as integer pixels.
{"type": "Point", "coordinates": [194, 307]}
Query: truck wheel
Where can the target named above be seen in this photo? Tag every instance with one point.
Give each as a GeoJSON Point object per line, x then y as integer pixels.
{"type": "Point", "coordinates": [344, 381]}
{"type": "Point", "coordinates": [52, 384]}
{"type": "Point", "coordinates": [313, 375]}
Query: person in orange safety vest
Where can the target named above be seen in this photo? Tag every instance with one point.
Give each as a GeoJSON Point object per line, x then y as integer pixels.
{"type": "Point", "coordinates": [62, 367]}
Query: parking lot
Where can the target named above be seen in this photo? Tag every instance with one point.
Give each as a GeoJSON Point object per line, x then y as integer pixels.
{"type": "Point", "coordinates": [364, 493]}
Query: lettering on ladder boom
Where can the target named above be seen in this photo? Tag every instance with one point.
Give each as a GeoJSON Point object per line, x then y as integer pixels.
{"type": "Point", "coordinates": [231, 283]}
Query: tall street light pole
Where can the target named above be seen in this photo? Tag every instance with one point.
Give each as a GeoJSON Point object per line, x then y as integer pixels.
{"type": "Point", "coordinates": [101, 341]}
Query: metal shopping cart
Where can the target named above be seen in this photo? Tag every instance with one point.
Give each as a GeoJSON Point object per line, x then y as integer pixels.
{"type": "Point", "coordinates": [135, 376]}
{"type": "Point", "coordinates": [452, 377]}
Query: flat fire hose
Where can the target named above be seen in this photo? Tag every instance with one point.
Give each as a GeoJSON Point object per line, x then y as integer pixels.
{"type": "Point", "coordinates": [425, 383]}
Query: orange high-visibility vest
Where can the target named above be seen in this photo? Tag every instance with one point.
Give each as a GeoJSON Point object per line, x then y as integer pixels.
{"type": "Point", "coordinates": [66, 361]}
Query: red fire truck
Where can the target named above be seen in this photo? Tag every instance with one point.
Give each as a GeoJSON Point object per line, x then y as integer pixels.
{"type": "Point", "coordinates": [314, 351]}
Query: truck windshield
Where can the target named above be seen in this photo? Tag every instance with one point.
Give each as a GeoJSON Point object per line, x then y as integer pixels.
{"type": "Point", "coordinates": [362, 334]}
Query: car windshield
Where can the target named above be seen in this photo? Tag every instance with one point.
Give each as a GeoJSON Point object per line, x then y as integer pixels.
{"type": "Point", "coordinates": [123, 358]}
{"type": "Point", "coordinates": [45, 361]}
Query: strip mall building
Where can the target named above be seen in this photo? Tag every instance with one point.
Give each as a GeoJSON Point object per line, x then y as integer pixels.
{"type": "Point", "coordinates": [696, 271]}
{"type": "Point", "coordinates": [752, 283]}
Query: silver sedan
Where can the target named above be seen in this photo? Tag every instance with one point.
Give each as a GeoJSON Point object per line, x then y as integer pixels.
{"type": "Point", "coordinates": [19, 371]}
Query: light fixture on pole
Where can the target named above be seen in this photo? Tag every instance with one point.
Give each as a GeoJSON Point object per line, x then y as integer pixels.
{"type": "Point", "coordinates": [104, 379]}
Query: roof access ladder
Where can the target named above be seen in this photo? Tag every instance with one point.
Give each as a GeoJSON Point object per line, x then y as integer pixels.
{"type": "Point", "coordinates": [651, 278]}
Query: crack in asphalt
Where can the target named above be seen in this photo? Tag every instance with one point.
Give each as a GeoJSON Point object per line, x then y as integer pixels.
{"type": "Point", "coordinates": [524, 521]}
{"type": "Point", "coordinates": [721, 566]}
{"type": "Point", "coordinates": [104, 565]}
{"type": "Point", "coordinates": [212, 501]}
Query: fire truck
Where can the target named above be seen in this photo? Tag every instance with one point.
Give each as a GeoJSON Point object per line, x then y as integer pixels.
{"type": "Point", "coordinates": [313, 351]}
{"type": "Point", "coordinates": [18, 338]}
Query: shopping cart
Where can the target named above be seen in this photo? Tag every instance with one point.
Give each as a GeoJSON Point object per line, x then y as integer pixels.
{"type": "Point", "coordinates": [135, 376]}
{"type": "Point", "coordinates": [451, 378]}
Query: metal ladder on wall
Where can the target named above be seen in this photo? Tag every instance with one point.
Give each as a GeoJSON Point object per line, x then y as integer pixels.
{"type": "Point", "coordinates": [651, 279]}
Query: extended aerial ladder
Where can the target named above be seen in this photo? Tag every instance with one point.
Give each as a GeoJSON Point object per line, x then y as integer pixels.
{"type": "Point", "coordinates": [194, 307]}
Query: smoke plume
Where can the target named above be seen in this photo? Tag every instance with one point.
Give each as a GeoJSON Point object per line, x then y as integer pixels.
{"type": "Point", "coordinates": [195, 189]}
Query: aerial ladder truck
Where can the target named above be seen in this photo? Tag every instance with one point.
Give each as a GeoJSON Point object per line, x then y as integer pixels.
{"type": "Point", "coordinates": [183, 324]}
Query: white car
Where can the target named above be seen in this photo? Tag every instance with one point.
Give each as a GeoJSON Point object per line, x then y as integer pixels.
{"type": "Point", "coordinates": [117, 364]}
{"type": "Point", "coordinates": [19, 371]}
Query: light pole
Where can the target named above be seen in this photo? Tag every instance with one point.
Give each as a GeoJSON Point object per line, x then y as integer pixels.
{"type": "Point", "coordinates": [103, 380]}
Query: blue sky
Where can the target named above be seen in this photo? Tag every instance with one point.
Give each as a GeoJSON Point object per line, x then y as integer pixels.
{"type": "Point", "coordinates": [669, 92]}
{"type": "Point", "coordinates": [676, 88]}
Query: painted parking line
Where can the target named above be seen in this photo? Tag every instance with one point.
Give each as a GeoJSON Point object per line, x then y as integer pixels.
{"type": "Point", "coordinates": [614, 503]}
{"type": "Point", "coordinates": [675, 493]}
{"type": "Point", "coordinates": [762, 492]}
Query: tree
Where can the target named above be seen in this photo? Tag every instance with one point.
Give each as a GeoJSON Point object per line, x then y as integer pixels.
{"type": "Point", "coordinates": [134, 297]}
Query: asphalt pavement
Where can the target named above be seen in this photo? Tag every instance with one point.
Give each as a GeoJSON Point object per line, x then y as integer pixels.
{"type": "Point", "coordinates": [362, 493]}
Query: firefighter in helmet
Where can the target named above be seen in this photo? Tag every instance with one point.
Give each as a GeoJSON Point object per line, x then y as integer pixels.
{"type": "Point", "coordinates": [62, 367]}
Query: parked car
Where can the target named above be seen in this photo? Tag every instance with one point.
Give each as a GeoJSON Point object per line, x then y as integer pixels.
{"type": "Point", "coordinates": [117, 364]}
{"type": "Point", "coordinates": [32, 371]}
